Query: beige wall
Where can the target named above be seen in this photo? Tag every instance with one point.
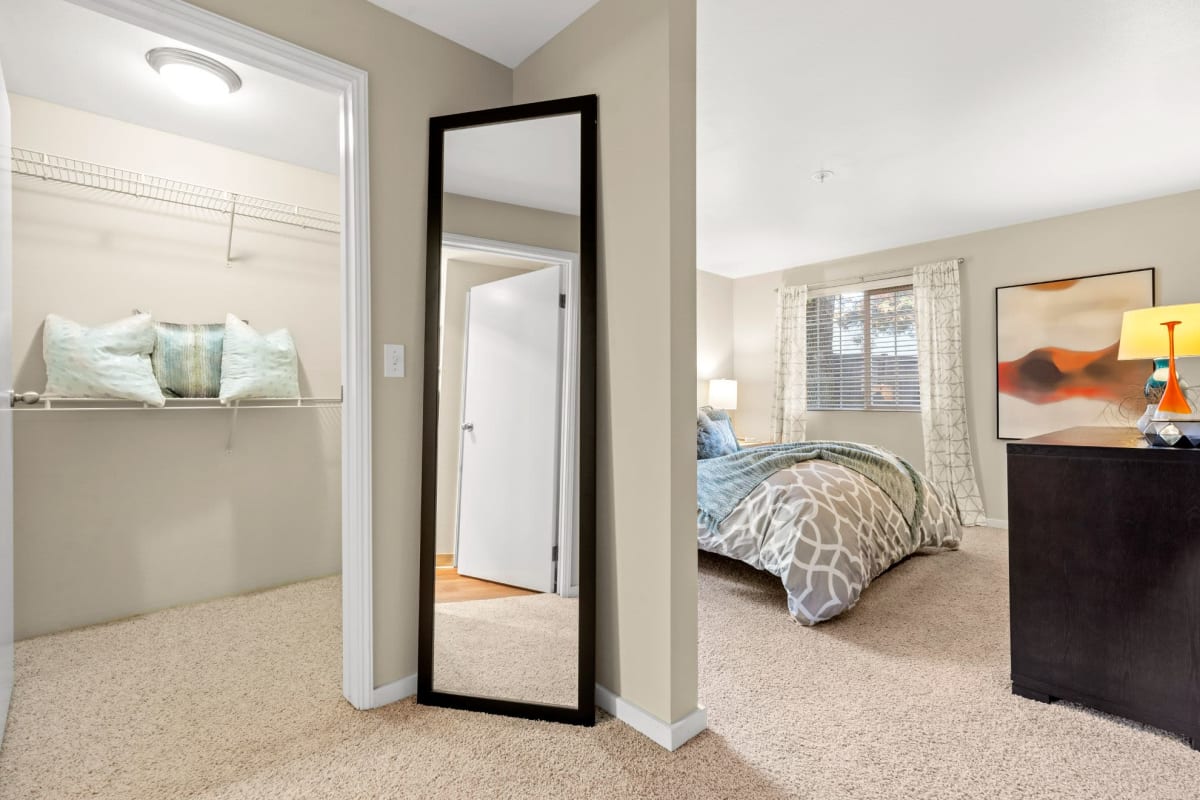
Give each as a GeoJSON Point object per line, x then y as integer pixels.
{"type": "Point", "coordinates": [753, 353]}
{"type": "Point", "coordinates": [414, 75]}
{"type": "Point", "coordinates": [714, 331]}
{"type": "Point", "coordinates": [504, 222]}
{"type": "Point", "coordinates": [1159, 233]}
{"type": "Point", "coordinates": [160, 514]}
{"type": "Point", "coordinates": [639, 57]}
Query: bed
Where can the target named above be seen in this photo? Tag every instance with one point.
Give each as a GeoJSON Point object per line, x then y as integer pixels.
{"type": "Point", "coordinates": [827, 518]}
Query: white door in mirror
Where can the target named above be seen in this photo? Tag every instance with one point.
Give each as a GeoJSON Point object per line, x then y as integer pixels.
{"type": "Point", "coordinates": [393, 361]}
{"type": "Point", "coordinates": [508, 486]}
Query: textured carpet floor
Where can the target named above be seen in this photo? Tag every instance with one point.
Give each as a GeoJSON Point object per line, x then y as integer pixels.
{"type": "Point", "coordinates": [531, 644]}
{"type": "Point", "coordinates": [906, 696]}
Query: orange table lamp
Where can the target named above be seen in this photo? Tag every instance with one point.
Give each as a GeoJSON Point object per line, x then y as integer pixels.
{"type": "Point", "coordinates": [1149, 333]}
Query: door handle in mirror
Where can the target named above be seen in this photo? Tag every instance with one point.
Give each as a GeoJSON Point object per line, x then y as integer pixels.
{"type": "Point", "coordinates": [468, 426]}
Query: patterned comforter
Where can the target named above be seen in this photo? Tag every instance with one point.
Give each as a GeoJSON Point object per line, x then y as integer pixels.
{"type": "Point", "coordinates": [827, 532]}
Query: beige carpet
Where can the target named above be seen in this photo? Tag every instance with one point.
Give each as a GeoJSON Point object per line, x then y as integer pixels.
{"type": "Point", "coordinates": [904, 697]}
{"type": "Point", "coordinates": [515, 648]}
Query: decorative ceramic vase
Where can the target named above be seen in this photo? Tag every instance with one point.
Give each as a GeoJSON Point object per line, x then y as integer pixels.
{"type": "Point", "coordinates": [1157, 381]}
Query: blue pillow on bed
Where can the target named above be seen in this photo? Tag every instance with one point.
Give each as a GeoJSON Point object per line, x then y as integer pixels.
{"type": "Point", "coordinates": [714, 434]}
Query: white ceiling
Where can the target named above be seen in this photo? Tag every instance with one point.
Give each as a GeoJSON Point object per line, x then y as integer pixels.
{"type": "Point", "coordinates": [68, 55]}
{"type": "Point", "coordinates": [939, 117]}
{"type": "Point", "coordinates": [531, 163]}
{"type": "Point", "coordinates": [508, 31]}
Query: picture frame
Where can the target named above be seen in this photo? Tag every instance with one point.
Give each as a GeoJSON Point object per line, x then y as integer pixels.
{"type": "Point", "coordinates": [1056, 348]}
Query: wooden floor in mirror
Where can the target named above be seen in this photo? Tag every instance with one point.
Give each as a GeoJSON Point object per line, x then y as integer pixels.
{"type": "Point", "coordinates": [450, 587]}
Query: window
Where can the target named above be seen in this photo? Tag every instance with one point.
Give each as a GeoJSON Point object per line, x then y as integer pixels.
{"type": "Point", "coordinates": [862, 351]}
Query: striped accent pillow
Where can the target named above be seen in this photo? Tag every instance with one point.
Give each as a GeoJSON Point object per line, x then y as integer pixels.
{"type": "Point", "coordinates": [187, 359]}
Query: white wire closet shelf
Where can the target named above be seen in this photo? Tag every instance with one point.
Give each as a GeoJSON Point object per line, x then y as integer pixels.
{"type": "Point", "coordinates": [136, 184]}
{"type": "Point", "coordinates": [32, 401]}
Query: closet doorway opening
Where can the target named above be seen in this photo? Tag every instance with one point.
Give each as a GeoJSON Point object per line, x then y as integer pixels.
{"type": "Point", "coordinates": [208, 229]}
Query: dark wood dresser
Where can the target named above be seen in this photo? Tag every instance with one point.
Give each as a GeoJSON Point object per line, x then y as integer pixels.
{"type": "Point", "coordinates": [1104, 575]}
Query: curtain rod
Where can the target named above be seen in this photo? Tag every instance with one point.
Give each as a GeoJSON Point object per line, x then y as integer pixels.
{"type": "Point", "coordinates": [875, 276]}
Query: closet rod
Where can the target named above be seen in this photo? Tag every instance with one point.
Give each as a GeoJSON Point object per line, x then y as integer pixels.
{"type": "Point", "coordinates": [876, 276]}
{"type": "Point", "coordinates": [73, 171]}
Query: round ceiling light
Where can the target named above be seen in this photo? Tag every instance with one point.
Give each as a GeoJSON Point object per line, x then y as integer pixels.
{"type": "Point", "coordinates": [822, 175]}
{"type": "Point", "coordinates": [194, 77]}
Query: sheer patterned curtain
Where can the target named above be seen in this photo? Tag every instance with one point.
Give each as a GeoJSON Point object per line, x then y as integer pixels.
{"type": "Point", "coordinates": [788, 413]}
{"type": "Point", "coordinates": [948, 461]}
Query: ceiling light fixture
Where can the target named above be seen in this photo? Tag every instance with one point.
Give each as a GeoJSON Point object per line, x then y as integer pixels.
{"type": "Point", "coordinates": [193, 76]}
{"type": "Point", "coordinates": [822, 175]}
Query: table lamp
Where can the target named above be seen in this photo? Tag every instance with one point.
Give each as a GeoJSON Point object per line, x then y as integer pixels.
{"type": "Point", "coordinates": [722, 393]}
{"type": "Point", "coordinates": [1148, 333]}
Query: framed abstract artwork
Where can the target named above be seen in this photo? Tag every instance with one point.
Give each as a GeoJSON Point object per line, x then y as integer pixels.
{"type": "Point", "coordinates": [1056, 353]}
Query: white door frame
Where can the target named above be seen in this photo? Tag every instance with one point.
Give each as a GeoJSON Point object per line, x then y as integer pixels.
{"type": "Point", "coordinates": [6, 415]}
{"type": "Point", "coordinates": [223, 36]}
{"type": "Point", "coordinates": [568, 513]}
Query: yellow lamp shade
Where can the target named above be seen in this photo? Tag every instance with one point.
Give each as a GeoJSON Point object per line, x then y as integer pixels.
{"type": "Point", "coordinates": [1144, 333]}
{"type": "Point", "coordinates": [722, 393]}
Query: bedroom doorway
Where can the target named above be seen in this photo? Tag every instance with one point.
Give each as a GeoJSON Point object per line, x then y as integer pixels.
{"type": "Point", "coordinates": [337, 389]}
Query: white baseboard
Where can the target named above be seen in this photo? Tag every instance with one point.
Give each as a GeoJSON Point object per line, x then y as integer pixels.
{"type": "Point", "coordinates": [997, 523]}
{"type": "Point", "coordinates": [671, 735]}
{"type": "Point", "coordinates": [5, 697]}
{"type": "Point", "coordinates": [392, 692]}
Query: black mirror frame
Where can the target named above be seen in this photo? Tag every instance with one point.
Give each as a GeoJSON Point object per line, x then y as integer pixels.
{"type": "Point", "coordinates": [585, 712]}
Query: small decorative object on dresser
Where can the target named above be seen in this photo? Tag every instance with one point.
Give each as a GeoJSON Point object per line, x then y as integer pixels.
{"type": "Point", "coordinates": [1104, 575]}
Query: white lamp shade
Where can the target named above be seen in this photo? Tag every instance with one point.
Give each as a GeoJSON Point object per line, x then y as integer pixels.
{"type": "Point", "coordinates": [722, 393]}
{"type": "Point", "coordinates": [1143, 334]}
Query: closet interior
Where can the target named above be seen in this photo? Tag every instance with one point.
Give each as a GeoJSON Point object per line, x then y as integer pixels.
{"type": "Point", "coordinates": [177, 332]}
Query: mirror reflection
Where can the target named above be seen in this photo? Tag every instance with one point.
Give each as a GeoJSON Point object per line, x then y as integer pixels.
{"type": "Point", "coordinates": [506, 608]}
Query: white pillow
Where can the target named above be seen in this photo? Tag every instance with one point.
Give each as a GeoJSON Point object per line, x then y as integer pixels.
{"type": "Point", "coordinates": [253, 365]}
{"type": "Point", "coordinates": [110, 360]}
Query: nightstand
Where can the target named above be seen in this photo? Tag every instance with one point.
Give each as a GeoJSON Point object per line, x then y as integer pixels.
{"type": "Point", "coordinates": [1104, 575]}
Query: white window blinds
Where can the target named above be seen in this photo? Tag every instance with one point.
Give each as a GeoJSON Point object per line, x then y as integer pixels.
{"type": "Point", "coordinates": [862, 351]}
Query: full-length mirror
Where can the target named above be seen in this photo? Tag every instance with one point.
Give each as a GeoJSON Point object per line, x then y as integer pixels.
{"type": "Point", "coordinates": [507, 590]}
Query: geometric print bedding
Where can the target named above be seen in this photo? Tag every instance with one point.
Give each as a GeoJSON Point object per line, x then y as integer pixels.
{"type": "Point", "coordinates": [827, 532]}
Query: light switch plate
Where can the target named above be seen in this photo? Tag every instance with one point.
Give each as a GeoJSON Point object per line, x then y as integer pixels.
{"type": "Point", "coordinates": [393, 361]}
